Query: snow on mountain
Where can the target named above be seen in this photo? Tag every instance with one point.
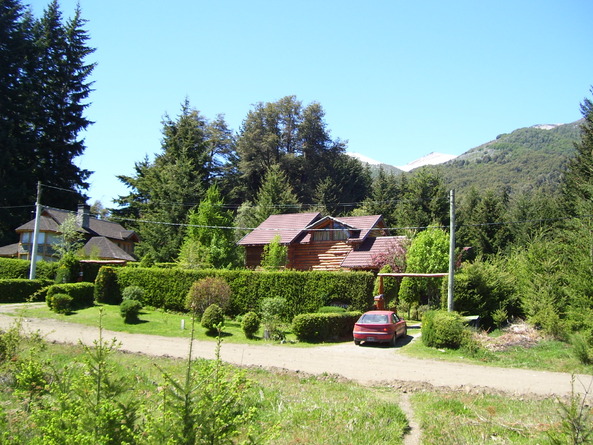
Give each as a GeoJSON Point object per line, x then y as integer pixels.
{"type": "Point", "coordinates": [430, 159]}
{"type": "Point", "coordinates": [363, 158]}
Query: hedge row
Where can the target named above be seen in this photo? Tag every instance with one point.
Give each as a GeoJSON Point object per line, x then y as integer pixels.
{"type": "Point", "coordinates": [11, 268]}
{"type": "Point", "coordinates": [324, 327]}
{"type": "Point", "coordinates": [304, 291]}
{"type": "Point", "coordinates": [20, 290]}
{"type": "Point", "coordinates": [82, 294]}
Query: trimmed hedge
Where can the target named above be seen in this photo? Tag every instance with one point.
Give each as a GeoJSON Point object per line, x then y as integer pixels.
{"type": "Point", "coordinates": [442, 329]}
{"type": "Point", "coordinates": [19, 290]}
{"type": "Point", "coordinates": [324, 327]}
{"type": "Point", "coordinates": [82, 294]}
{"type": "Point", "coordinates": [304, 291]}
{"type": "Point", "coordinates": [11, 268]}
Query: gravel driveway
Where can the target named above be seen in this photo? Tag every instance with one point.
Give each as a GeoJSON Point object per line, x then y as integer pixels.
{"type": "Point", "coordinates": [367, 365]}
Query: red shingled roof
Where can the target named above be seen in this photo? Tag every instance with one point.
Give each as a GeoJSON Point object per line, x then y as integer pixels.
{"type": "Point", "coordinates": [364, 256]}
{"type": "Point", "coordinates": [289, 226]}
{"type": "Point", "coordinates": [364, 224]}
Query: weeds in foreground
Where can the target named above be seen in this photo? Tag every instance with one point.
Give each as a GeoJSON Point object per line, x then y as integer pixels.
{"type": "Point", "coordinates": [576, 426]}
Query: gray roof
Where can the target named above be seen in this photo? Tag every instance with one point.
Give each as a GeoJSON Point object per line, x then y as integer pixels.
{"type": "Point", "coordinates": [51, 219]}
{"type": "Point", "coordinates": [105, 249]}
{"type": "Point", "coordinates": [10, 250]}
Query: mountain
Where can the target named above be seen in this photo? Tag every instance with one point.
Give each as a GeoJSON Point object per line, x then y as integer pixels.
{"type": "Point", "coordinates": [521, 161]}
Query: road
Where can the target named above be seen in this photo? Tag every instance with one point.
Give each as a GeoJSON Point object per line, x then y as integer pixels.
{"type": "Point", "coordinates": [369, 365]}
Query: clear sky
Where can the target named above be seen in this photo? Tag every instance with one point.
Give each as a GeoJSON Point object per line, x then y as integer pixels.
{"type": "Point", "coordinates": [397, 79]}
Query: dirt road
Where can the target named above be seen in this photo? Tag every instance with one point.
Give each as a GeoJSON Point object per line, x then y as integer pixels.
{"type": "Point", "coordinates": [366, 365]}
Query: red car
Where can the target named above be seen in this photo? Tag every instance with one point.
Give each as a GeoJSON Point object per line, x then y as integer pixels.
{"type": "Point", "coordinates": [380, 327]}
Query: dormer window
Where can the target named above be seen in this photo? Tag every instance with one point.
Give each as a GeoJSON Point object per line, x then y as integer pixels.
{"type": "Point", "coordinates": [333, 232]}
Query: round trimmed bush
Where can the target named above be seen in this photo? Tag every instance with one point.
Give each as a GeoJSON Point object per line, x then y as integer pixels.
{"type": "Point", "coordinates": [441, 329]}
{"type": "Point", "coordinates": [133, 293]}
{"type": "Point", "coordinates": [212, 317]}
{"type": "Point", "coordinates": [129, 310]}
{"type": "Point", "coordinates": [331, 310]}
{"type": "Point", "coordinates": [61, 303]}
{"type": "Point", "coordinates": [250, 324]}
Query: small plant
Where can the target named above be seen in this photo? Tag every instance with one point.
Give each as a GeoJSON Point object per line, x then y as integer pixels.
{"type": "Point", "coordinates": [129, 310]}
{"type": "Point", "coordinates": [208, 291]}
{"type": "Point", "coordinates": [576, 425]}
{"type": "Point", "coordinates": [213, 316]}
{"type": "Point", "coordinates": [273, 313]}
{"type": "Point", "coordinates": [61, 303]}
{"type": "Point", "coordinates": [133, 293]}
{"type": "Point", "coordinates": [500, 317]}
{"type": "Point", "coordinates": [581, 348]}
{"type": "Point", "coordinates": [250, 324]}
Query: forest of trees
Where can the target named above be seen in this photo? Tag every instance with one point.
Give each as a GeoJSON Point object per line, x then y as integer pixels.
{"type": "Point", "coordinates": [521, 252]}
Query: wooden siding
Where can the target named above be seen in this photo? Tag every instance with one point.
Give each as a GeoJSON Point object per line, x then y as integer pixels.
{"type": "Point", "coordinates": [319, 255]}
{"type": "Point", "coordinates": [253, 256]}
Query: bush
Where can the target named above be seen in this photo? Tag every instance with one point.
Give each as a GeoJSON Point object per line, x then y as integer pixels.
{"type": "Point", "coordinates": [212, 317]}
{"type": "Point", "coordinates": [61, 303]}
{"type": "Point", "coordinates": [250, 324]}
{"type": "Point", "coordinates": [82, 294]}
{"type": "Point", "coordinates": [11, 268]}
{"type": "Point", "coordinates": [68, 269]}
{"type": "Point", "coordinates": [106, 286]}
{"type": "Point", "coordinates": [133, 293]}
{"type": "Point", "coordinates": [273, 315]}
{"type": "Point", "coordinates": [206, 292]}
{"type": "Point", "coordinates": [331, 310]}
{"type": "Point", "coordinates": [441, 329]}
{"type": "Point", "coordinates": [129, 310]}
{"type": "Point", "coordinates": [324, 327]}
{"type": "Point", "coordinates": [581, 348]}
{"type": "Point", "coordinates": [21, 290]}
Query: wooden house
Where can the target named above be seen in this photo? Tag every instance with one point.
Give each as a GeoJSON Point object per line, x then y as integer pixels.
{"type": "Point", "coordinates": [323, 243]}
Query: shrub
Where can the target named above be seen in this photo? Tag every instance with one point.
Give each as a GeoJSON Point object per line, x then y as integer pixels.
{"type": "Point", "coordinates": [273, 315]}
{"type": "Point", "coordinates": [82, 294]}
{"type": "Point", "coordinates": [61, 303]}
{"type": "Point", "coordinates": [20, 290]}
{"type": "Point", "coordinates": [68, 269]}
{"type": "Point", "coordinates": [441, 329]}
{"type": "Point", "coordinates": [250, 324]}
{"type": "Point", "coordinates": [331, 310]}
{"type": "Point", "coordinates": [11, 268]}
{"type": "Point", "coordinates": [324, 327]}
{"type": "Point", "coordinates": [581, 348]}
{"type": "Point", "coordinates": [133, 293]}
{"type": "Point", "coordinates": [212, 317]}
{"type": "Point", "coordinates": [106, 287]}
{"type": "Point", "coordinates": [206, 292]}
{"type": "Point", "coordinates": [129, 310]}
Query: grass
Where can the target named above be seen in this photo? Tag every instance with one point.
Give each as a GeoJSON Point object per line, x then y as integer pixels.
{"type": "Point", "coordinates": [547, 355]}
{"type": "Point", "coordinates": [152, 322]}
{"type": "Point", "coordinates": [291, 408]}
{"type": "Point", "coordinates": [456, 418]}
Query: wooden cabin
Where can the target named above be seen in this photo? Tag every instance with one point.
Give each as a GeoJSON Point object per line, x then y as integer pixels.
{"type": "Point", "coordinates": [323, 243]}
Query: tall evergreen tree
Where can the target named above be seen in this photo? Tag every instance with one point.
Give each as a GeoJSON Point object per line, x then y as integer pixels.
{"type": "Point", "coordinates": [163, 191]}
{"type": "Point", "coordinates": [43, 91]}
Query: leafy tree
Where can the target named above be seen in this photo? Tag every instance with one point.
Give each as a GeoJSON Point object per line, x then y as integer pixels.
{"type": "Point", "coordinates": [43, 89]}
{"type": "Point", "coordinates": [424, 201]}
{"type": "Point", "coordinates": [210, 240]}
{"type": "Point", "coordinates": [295, 138]}
{"type": "Point", "coordinates": [275, 254]}
{"type": "Point", "coordinates": [164, 190]}
{"type": "Point", "coordinates": [429, 253]}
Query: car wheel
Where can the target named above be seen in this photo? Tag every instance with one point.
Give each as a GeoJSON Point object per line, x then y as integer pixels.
{"type": "Point", "coordinates": [394, 340]}
{"type": "Point", "coordinates": [357, 342]}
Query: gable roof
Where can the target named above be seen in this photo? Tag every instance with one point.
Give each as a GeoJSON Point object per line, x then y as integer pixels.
{"type": "Point", "coordinates": [289, 226]}
{"type": "Point", "coordinates": [359, 226]}
{"type": "Point", "coordinates": [105, 248]}
{"type": "Point", "coordinates": [364, 257]}
{"type": "Point", "coordinates": [51, 219]}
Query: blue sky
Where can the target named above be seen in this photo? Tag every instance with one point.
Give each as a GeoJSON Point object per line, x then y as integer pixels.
{"type": "Point", "coordinates": [396, 79]}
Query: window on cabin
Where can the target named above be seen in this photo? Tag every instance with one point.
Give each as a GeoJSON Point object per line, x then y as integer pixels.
{"type": "Point", "coordinates": [333, 232]}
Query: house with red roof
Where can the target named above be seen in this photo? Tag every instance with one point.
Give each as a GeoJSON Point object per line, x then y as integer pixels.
{"type": "Point", "coordinates": [104, 240]}
{"type": "Point", "coordinates": [323, 243]}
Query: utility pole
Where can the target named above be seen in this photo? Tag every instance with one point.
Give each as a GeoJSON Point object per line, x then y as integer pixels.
{"type": "Point", "coordinates": [451, 253]}
{"type": "Point", "coordinates": [33, 257]}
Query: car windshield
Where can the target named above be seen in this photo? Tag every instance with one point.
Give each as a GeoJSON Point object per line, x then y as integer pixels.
{"type": "Point", "coordinates": [373, 318]}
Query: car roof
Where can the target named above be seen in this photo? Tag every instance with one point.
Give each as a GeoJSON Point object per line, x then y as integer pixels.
{"type": "Point", "coordinates": [379, 312]}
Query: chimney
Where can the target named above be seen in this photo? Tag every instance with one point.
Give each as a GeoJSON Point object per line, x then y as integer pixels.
{"type": "Point", "coordinates": [83, 215]}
